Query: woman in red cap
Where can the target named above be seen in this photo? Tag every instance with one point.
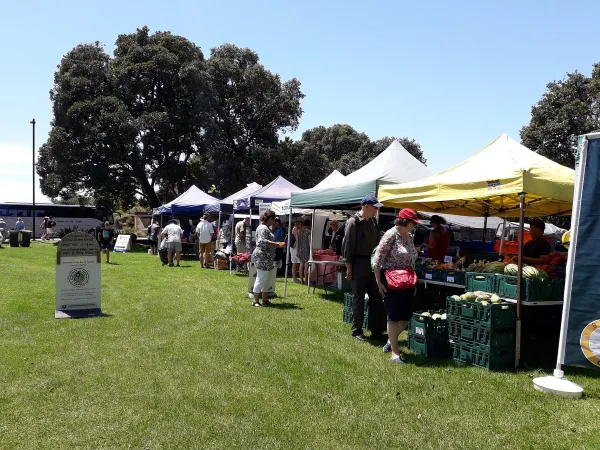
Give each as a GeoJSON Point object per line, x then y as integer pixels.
{"type": "Point", "coordinates": [395, 260]}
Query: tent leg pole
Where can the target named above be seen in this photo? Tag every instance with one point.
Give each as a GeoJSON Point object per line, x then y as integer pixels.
{"type": "Point", "coordinates": [485, 221]}
{"type": "Point", "coordinates": [520, 276]}
{"type": "Point", "coordinates": [501, 251]}
{"type": "Point", "coordinates": [310, 257]}
{"type": "Point", "coordinates": [287, 253]}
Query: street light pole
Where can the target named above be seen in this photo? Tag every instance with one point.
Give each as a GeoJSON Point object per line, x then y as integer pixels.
{"type": "Point", "coordinates": [33, 178]}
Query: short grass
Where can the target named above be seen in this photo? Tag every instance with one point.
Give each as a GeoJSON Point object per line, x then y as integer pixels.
{"type": "Point", "coordinates": [181, 360]}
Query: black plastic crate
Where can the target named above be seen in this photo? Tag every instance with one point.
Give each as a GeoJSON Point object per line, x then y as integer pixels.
{"type": "Point", "coordinates": [452, 276]}
{"type": "Point", "coordinates": [430, 274]}
{"type": "Point", "coordinates": [430, 348]}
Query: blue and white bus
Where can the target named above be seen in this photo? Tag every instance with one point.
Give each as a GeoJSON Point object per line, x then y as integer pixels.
{"type": "Point", "coordinates": [72, 217]}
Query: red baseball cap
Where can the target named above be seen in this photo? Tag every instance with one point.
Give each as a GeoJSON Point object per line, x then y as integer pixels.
{"type": "Point", "coordinates": [409, 214]}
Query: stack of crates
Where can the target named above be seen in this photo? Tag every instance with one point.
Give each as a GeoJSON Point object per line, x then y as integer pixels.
{"type": "Point", "coordinates": [348, 299]}
{"type": "Point", "coordinates": [482, 335]}
{"type": "Point", "coordinates": [427, 336]}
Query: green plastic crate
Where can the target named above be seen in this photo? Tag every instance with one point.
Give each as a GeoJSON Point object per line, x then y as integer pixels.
{"type": "Point", "coordinates": [531, 290]}
{"type": "Point", "coordinates": [483, 336]}
{"type": "Point", "coordinates": [484, 282]}
{"type": "Point", "coordinates": [453, 308]}
{"type": "Point", "coordinates": [453, 329]}
{"type": "Point", "coordinates": [492, 315]}
{"type": "Point", "coordinates": [430, 348]}
{"type": "Point", "coordinates": [492, 359]}
{"type": "Point", "coordinates": [348, 298]}
{"type": "Point", "coordinates": [427, 327]}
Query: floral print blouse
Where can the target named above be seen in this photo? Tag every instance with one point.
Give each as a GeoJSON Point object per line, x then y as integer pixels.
{"type": "Point", "coordinates": [264, 254]}
{"type": "Point", "coordinates": [395, 251]}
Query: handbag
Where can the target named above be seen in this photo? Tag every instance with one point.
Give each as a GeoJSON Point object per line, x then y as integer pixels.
{"type": "Point", "coordinates": [399, 279]}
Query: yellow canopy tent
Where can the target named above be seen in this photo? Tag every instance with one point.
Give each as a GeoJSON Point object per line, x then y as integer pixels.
{"type": "Point", "coordinates": [489, 184]}
{"type": "Point", "coordinates": [505, 179]}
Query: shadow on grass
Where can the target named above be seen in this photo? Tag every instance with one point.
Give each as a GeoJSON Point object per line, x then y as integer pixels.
{"type": "Point", "coordinates": [112, 263]}
{"type": "Point", "coordinates": [284, 305]}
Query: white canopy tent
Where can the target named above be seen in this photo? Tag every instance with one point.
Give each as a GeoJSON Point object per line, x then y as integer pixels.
{"type": "Point", "coordinates": [394, 163]}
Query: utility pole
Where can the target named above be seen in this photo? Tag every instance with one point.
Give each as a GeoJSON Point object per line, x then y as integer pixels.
{"type": "Point", "coordinates": [33, 177]}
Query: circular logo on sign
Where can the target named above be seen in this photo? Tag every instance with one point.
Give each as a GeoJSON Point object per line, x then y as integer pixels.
{"type": "Point", "coordinates": [590, 342]}
{"type": "Point", "coordinates": [79, 277]}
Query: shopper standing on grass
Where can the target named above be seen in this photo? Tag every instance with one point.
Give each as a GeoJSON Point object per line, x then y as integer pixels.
{"type": "Point", "coordinates": [173, 234]}
{"type": "Point", "coordinates": [206, 234]}
{"type": "Point", "coordinates": [105, 238]}
{"type": "Point", "coordinates": [44, 225]}
{"type": "Point", "coordinates": [263, 258]}
{"type": "Point", "coordinates": [360, 239]}
{"type": "Point", "coordinates": [3, 231]}
{"type": "Point", "coordinates": [397, 253]}
{"type": "Point", "coordinates": [153, 232]}
{"type": "Point", "coordinates": [294, 249]}
{"type": "Point", "coordinates": [303, 249]}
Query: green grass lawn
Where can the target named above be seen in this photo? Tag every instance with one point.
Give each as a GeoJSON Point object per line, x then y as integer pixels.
{"type": "Point", "coordinates": [181, 360]}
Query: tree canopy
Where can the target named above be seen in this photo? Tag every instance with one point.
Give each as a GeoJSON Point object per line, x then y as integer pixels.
{"type": "Point", "coordinates": [156, 117]}
{"type": "Point", "coordinates": [569, 107]}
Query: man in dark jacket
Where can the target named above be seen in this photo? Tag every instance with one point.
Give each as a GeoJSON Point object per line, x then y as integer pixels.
{"type": "Point", "coordinates": [361, 238]}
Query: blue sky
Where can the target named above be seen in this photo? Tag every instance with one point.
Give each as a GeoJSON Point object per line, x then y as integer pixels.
{"type": "Point", "coordinates": [452, 75]}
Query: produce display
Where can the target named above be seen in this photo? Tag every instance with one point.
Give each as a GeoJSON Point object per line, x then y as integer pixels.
{"type": "Point", "coordinates": [327, 252]}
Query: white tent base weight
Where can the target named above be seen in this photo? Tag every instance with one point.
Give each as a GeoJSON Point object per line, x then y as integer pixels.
{"type": "Point", "coordinates": [558, 386]}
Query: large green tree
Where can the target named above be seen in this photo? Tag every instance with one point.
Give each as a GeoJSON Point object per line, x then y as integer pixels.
{"type": "Point", "coordinates": [568, 108]}
{"type": "Point", "coordinates": [156, 117]}
{"type": "Point", "coordinates": [123, 124]}
{"type": "Point", "coordinates": [251, 108]}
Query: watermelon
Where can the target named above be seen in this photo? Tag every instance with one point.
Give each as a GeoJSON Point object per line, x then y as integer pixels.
{"type": "Point", "coordinates": [531, 273]}
{"type": "Point", "coordinates": [495, 267]}
{"type": "Point", "coordinates": [543, 275]}
{"type": "Point", "coordinates": [511, 269]}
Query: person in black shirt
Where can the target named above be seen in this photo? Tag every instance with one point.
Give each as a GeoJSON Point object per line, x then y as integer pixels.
{"type": "Point", "coordinates": [105, 237]}
{"type": "Point", "coordinates": [535, 250]}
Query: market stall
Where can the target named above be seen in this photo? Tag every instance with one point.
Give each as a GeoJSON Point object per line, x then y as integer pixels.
{"type": "Point", "coordinates": [505, 179]}
{"type": "Point", "coordinates": [278, 190]}
{"type": "Point", "coordinates": [394, 165]}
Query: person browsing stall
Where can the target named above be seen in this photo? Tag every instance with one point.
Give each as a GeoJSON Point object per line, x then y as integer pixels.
{"type": "Point", "coordinates": [337, 237]}
{"type": "Point", "coordinates": [263, 258]}
{"type": "Point", "coordinates": [173, 233]}
{"type": "Point", "coordinates": [206, 234]}
{"type": "Point", "coordinates": [535, 250]}
{"type": "Point", "coordinates": [394, 271]}
{"type": "Point", "coordinates": [439, 239]}
{"type": "Point", "coordinates": [361, 238]}
{"type": "Point", "coordinates": [240, 235]}
{"type": "Point", "coordinates": [105, 238]}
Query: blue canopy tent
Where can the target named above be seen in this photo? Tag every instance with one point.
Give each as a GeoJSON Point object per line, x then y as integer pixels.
{"type": "Point", "coordinates": [191, 202]}
{"type": "Point", "coordinates": [225, 206]}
